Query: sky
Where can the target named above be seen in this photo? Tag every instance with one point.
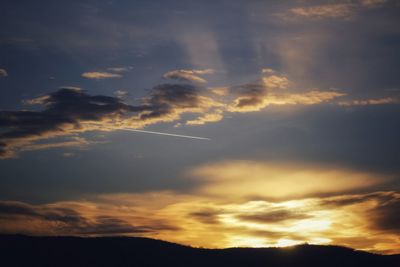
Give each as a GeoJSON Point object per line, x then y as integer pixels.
{"type": "Point", "coordinates": [296, 105]}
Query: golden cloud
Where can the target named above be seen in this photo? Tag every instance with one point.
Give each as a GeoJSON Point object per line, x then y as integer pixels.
{"type": "Point", "coordinates": [198, 220]}
{"type": "Point", "coordinates": [244, 179]}
{"type": "Point", "coordinates": [237, 203]}
{"type": "Point", "coordinates": [258, 101]}
{"type": "Point", "coordinates": [207, 118]}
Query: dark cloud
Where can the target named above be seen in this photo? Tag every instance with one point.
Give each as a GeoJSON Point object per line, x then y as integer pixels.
{"type": "Point", "coordinates": [249, 94]}
{"type": "Point", "coordinates": [64, 215]}
{"type": "Point", "coordinates": [68, 221]}
{"type": "Point", "coordinates": [105, 225]}
{"type": "Point", "coordinates": [379, 197]}
{"type": "Point", "coordinates": [64, 112]}
{"type": "Point", "coordinates": [274, 216]}
{"type": "Point", "coordinates": [205, 216]}
{"type": "Point", "coordinates": [72, 110]}
{"type": "Point", "coordinates": [384, 213]}
{"type": "Point", "coordinates": [166, 99]}
{"type": "Point", "coordinates": [16, 208]}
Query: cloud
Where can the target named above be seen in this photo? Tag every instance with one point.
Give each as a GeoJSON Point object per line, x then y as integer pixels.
{"type": "Point", "coordinates": [70, 111]}
{"type": "Point", "coordinates": [67, 219]}
{"type": "Point", "coordinates": [271, 89]}
{"type": "Point", "coordinates": [207, 118]}
{"type": "Point", "coordinates": [373, 3]}
{"type": "Point", "coordinates": [206, 216]}
{"type": "Point", "coordinates": [3, 73]}
{"type": "Point", "coordinates": [271, 180]}
{"type": "Point", "coordinates": [121, 94]}
{"type": "Point", "coordinates": [275, 81]}
{"type": "Point", "coordinates": [343, 10]}
{"type": "Point", "coordinates": [256, 96]}
{"type": "Point", "coordinates": [66, 112]}
{"type": "Point", "coordinates": [119, 69]}
{"type": "Point", "coordinates": [340, 10]}
{"type": "Point", "coordinates": [168, 101]}
{"type": "Point", "coordinates": [73, 142]}
{"type": "Point", "coordinates": [365, 102]}
{"type": "Point", "coordinates": [68, 154]}
{"type": "Point", "coordinates": [236, 203]}
{"type": "Point", "coordinates": [382, 208]}
{"type": "Point", "coordinates": [220, 91]}
{"type": "Point", "coordinates": [386, 214]}
{"type": "Point", "coordinates": [188, 75]}
{"type": "Point", "coordinates": [268, 70]}
{"type": "Point", "coordinates": [100, 75]}
{"type": "Point", "coordinates": [274, 216]}
{"type": "Point", "coordinates": [370, 222]}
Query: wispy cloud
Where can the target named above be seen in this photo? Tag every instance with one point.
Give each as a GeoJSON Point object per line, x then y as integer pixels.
{"type": "Point", "coordinates": [188, 75]}
{"type": "Point", "coordinates": [215, 116]}
{"type": "Point", "coordinates": [121, 93]}
{"type": "Point", "coordinates": [373, 3]}
{"type": "Point", "coordinates": [372, 101]}
{"type": "Point", "coordinates": [119, 69]}
{"type": "Point", "coordinates": [100, 75]}
{"type": "Point", "coordinates": [341, 9]}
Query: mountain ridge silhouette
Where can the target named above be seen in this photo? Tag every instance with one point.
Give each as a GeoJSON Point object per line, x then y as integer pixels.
{"type": "Point", "coordinates": [22, 250]}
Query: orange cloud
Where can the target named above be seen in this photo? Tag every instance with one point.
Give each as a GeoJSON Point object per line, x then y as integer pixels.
{"type": "Point", "coordinates": [237, 203]}
{"type": "Point", "coordinates": [198, 220]}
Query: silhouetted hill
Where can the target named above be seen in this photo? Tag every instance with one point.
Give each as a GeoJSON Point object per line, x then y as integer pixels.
{"type": "Point", "coordinates": [17, 250]}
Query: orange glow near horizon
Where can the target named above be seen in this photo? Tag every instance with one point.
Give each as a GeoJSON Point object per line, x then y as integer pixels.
{"type": "Point", "coordinates": [215, 217]}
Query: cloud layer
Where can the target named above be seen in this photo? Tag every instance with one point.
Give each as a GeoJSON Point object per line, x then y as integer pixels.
{"type": "Point", "coordinates": [367, 221]}
{"type": "Point", "coordinates": [70, 111]}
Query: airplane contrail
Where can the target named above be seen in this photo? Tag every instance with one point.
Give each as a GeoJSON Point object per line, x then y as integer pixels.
{"type": "Point", "coordinates": [169, 134]}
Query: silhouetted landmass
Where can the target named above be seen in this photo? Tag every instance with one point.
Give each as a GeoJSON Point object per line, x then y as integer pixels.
{"type": "Point", "coordinates": [18, 250]}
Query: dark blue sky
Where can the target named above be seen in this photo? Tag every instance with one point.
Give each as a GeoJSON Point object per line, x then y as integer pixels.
{"type": "Point", "coordinates": [280, 83]}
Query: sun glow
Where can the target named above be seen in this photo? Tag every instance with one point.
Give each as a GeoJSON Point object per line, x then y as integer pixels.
{"type": "Point", "coordinates": [283, 242]}
{"type": "Point", "coordinates": [227, 218]}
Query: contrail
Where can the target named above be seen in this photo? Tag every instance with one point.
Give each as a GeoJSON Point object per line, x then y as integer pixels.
{"type": "Point", "coordinates": [169, 134]}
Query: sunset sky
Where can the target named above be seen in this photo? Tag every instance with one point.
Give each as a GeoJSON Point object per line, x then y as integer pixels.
{"type": "Point", "coordinates": [296, 105]}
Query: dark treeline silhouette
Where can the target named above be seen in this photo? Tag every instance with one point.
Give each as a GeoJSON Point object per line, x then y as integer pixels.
{"type": "Point", "coordinates": [18, 250]}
